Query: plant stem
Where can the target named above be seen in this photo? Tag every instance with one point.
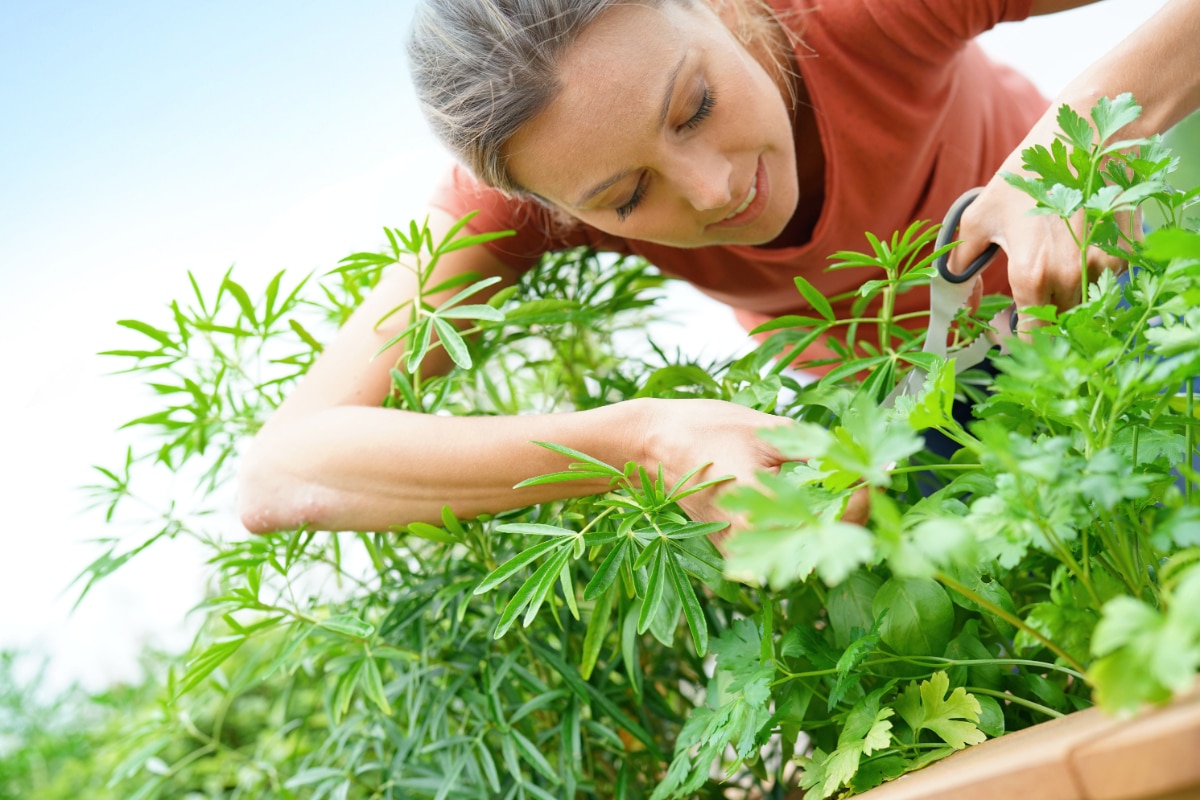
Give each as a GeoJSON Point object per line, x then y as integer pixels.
{"type": "Point", "coordinates": [1190, 437]}
{"type": "Point", "coordinates": [1009, 618]}
{"type": "Point", "coordinates": [1012, 698]}
{"type": "Point", "coordinates": [937, 467]}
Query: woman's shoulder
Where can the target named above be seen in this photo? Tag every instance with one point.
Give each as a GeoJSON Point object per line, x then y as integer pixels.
{"type": "Point", "coordinates": [537, 229]}
{"type": "Point", "coordinates": [920, 27]}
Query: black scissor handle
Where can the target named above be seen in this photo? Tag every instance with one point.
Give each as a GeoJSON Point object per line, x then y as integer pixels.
{"type": "Point", "coordinates": [946, 235]}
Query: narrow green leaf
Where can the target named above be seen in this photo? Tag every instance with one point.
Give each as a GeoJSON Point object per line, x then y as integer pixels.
{"type": "Point", "coordinates": [607, 469]}
{"type": "Point", "coordinates": [516, 563]}
{"type": "Point", "coordinates": [227, 330]}
{"type": "Point", "coordinates": [391, 313]}
{"type": "Point", "coordinates": [136, 354]}
{"type": "Point", "coordinates": [305, 336]}
{"type": "Point", "coordinates": [449, 780]}
{"type": "Point", "coordinates": [451, 523]}
{"type": "Point", "coordinates": [597, 629]}
{"type": "Point", "coordinates": [347, 683]}
{"type": "Point", "coordinates": [609, 569]}
{"type": "Point", "coordinates": [654, 590]}
{"type": "Point", "coordinates": [347, 625]}
{"type": "Point", "coordinates": [489, 766]}
{"type": "Point", "coordinates": [538, 702]}
{"type": "Point", "coordinates": [535, 529]}
{"type": "Point", "coordinates": [471, 241]}
{"type": "Point", "coordinates": [814, 298]}
{"type": "Point", "coordinates": [533, 591]}
{"type": "Point", "coordinates": [372, 684]}
{"type": "Point", "coordinates": [463, 294]}
{"type": "Point", "coordinates": [452, 282]}
{"type": "Point", "coordinates": [790, 321]}
{"type": "Point", "coordinates": [424, 530]}
{"type": "Point", "coordinates": [392, 236]}
{"type": "Point", "coordinates": [568, 590]}
{"type": "Point", "coordinates": [537, 792]}
{"type": "Point", "coordinates": [243, 300]}
{"type": "Point", "coordinates": [423, 332]}
{"type": "Point", "coordinates": [272, 295]}
{"type": "Point", "coordinates": [687, 476]}
{"type": "Point", "coordinates": [473, 312]}
{"type": "Point", "coordinates": [509, 750]}
{"type": "Point", "coordinates": [354, 260]}
{"type": "Point", "coordinates": [162, 337]}
{"type": "Point", "coordinates": [312, 775]}
{"type": "Point", "coordinates": [648, 553]}
{"type": "Point", "coordinates": [563, 477]}
{"type": "Point", "coordinates": [453, 341]}
{"type": "Point", "coordinates": [692, 611]}
{"type": "Point", "coordinates": [458, 225]}
{"type": "Point", "coordinates": [402, 384]}
{"type": "Point", "coordinates": [545, 585]}
{"type": "Point", "coordinates": [203, 665]}
{"type": "Point", "coordinates": [399, 337]}
{"type": "Point", "coordinates": [570, 753]}
{"type": "Point", "coordinates": [696, 529]}
{"type": "Point", "coordinates": [651, 489]}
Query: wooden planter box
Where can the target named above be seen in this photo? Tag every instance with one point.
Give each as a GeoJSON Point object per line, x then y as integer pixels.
{"type": "Point", "coordinates": [1088, 755]}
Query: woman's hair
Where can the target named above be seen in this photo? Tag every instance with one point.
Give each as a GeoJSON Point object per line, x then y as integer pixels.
{"type": "Point", "coordinates": [484, 68]}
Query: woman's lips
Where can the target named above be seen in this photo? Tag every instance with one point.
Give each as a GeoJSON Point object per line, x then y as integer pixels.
{"type": "Point", "coordinates": [752, 205]}
{"type": "Point", "coordinates": [746, 203]}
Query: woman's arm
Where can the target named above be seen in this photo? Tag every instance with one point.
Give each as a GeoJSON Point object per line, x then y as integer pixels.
{"type": "Point", "coordinates": [331, 458]}
{"type": "Point", "coordinates": [1159, 63]}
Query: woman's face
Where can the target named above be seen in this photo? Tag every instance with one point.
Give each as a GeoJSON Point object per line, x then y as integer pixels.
{"type": "Point", "coordinates": [665, 130]}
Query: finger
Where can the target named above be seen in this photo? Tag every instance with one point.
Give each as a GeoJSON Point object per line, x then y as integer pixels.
{"type": "Point", "coordinates": [858, 507]}
{"type": "Point", "coordinates": [976, 297]}
{"type": "Point", "coordinates": [975, 236]}
{"type": "Point", "coordinates": [1099, 262]}
{"type": "Point", "coordinates": [966, 253]}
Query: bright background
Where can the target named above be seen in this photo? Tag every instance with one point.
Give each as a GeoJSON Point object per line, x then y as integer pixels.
{"type": "Point", "coordinates": [140, 140]}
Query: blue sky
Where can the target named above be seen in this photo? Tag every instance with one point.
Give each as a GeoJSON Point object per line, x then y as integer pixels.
{"type": "Point", "coordinates": [186, 117]}
{"type": "Point", "coordinates": [140, 140]}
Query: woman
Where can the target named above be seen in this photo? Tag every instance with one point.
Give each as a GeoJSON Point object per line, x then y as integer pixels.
{"type": "Point", "coordinates": [733, 144]}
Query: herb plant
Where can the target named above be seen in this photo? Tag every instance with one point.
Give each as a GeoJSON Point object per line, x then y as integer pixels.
{"type": "Point", "coordinates": [603, 646]}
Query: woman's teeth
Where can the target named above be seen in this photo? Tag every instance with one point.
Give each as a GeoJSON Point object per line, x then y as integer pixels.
{"type": "Point", "coordinates": [745, 203]}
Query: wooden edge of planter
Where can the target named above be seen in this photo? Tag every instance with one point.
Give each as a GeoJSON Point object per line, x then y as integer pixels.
{"type": "Point", "coordinates": [1088, 755]}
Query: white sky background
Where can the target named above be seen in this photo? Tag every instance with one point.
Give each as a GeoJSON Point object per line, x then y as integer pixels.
{"type": "Point", "coordinates": [140, 140]}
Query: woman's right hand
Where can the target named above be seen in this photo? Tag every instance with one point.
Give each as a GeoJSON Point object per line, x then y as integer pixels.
{"type": "Point", "coordinates": [684, 434]}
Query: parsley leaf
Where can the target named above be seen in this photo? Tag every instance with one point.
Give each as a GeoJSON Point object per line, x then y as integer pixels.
{"type": "Point", "coordinates": [954, 719]}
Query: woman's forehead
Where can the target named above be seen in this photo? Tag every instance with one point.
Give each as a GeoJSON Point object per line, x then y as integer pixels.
{"type": "Point", "coordinates": [616, 82]}
{"type": "Point", "coordinates": [625, 32]}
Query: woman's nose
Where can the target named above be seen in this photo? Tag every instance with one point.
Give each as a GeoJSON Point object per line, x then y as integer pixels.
{"type": "Point", "coordinates": [704, 180]}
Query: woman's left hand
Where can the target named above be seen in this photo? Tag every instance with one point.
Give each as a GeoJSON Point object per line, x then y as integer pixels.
{"type": "Point", "coordinates": [1044, 263]}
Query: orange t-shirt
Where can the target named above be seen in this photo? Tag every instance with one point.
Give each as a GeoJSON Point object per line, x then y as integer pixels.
{"type": "Point", "coordinates": [911, 113]}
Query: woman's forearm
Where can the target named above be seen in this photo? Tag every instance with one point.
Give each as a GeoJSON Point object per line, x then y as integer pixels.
{"type": "Point", "coordinates": [1159, 63]}
{"type": "Point", "coordinates": [364, 468]}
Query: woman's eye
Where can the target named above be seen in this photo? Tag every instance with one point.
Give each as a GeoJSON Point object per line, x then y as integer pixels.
{"type": "Point", "coordinates": [707, 101]}
{"type": "Point", "coordinates": [638, 193]}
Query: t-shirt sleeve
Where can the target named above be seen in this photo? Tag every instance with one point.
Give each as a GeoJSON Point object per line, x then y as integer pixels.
{"type": "Point", "coordinates": [537, 231]}
{"type": "Point", "coordinates": [926, 28]}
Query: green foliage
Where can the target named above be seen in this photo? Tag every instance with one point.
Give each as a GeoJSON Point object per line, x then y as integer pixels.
{"type": "Point", "coordinates": [603, 647]}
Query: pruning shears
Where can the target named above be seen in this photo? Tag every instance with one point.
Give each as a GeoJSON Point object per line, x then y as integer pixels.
{"type": "Point", "coordinates": [948, 292]}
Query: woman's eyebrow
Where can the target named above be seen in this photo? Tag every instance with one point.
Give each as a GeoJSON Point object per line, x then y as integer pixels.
{"type": "Point", "coordinates": [662, 119]}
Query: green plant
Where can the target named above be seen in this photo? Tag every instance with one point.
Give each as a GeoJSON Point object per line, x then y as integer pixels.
{"type": "Point", "coordinates": [603, 647]}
